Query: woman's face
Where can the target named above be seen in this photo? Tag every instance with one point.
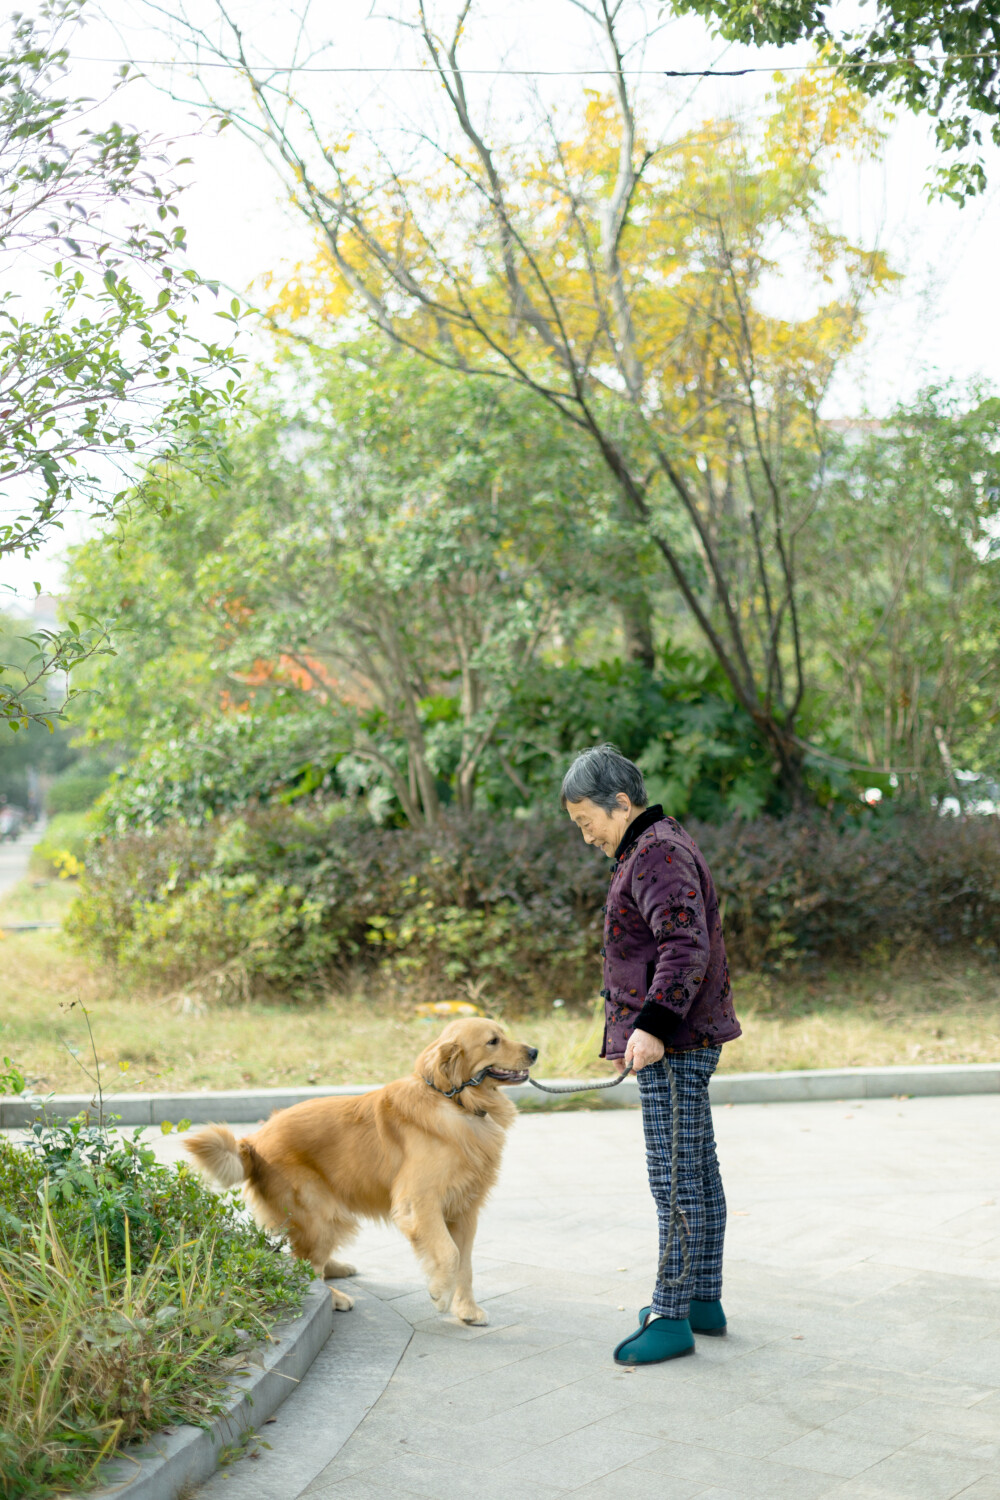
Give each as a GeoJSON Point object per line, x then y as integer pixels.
{"type": "Point", "coordinates": [606, 830]}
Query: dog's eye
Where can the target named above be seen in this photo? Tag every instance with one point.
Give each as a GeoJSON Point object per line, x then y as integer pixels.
{"type": "Point", "coordinates": [493, 1041]}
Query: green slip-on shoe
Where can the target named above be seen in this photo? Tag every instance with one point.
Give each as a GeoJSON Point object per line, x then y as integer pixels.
{"type": "Point", "coordinates": [704, 1317]}
{"type": "Point", "coordinates": [662, 1339]}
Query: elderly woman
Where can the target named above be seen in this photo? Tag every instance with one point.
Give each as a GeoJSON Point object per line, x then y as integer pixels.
{"type": "Point", "coordinates": [666, 995]}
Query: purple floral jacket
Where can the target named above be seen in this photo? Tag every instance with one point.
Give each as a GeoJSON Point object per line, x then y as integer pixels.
{"type": "Point", "coordinates": [665, 967]}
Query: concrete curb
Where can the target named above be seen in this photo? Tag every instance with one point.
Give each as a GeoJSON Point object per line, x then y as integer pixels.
{"type": "Point", "coordinates": [346, 1381]}
{"type": "Point", "coordinates": [932, 1080]}
{"type": "Point", "coordinates": [169, 1463]}
{"type": "Point", "coordinates": [158, 1109]}
{"type": "Point", "coordinates": [726, 1088]}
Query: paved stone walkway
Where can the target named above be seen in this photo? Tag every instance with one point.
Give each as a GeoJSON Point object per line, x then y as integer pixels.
{"type": "Point", "coordinates": [863, 1292]}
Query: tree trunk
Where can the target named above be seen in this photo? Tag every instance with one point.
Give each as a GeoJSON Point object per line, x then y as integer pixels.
{"type": "Point", "coordinates": [420, 774]}
{"type": "Point", "coordinates": [466, 788]}
{"type": "Point", "coordinates": [789, 758]}
{"type": "Point", "coordinates": [632, 598]}
{"type": "Point", "coordinates": [427, 783]}
{"type": "Point", "coordinates": [637, 627]}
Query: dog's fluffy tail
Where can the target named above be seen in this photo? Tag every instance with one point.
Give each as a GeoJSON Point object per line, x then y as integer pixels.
{"type": "Point", "coordinates": [227, 1161]}
{"type": "Point", "coordinates": [220, 1155]}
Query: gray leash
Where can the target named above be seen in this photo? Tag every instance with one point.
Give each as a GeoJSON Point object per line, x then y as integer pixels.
{"type": "Point", "coordinates": [580, 1088]}
{"type": "Point", "coordinates": [677, 1224]}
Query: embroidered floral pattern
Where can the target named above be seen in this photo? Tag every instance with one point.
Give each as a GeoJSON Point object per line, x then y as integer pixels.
{"type": "Point", "coordinates": [679, 918]}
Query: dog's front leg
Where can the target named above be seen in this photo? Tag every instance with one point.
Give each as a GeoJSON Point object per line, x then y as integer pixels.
{"type": "Point", "coordinates": [463, 1232]}
{"type": "Point", "coordinates": [421, 1220]}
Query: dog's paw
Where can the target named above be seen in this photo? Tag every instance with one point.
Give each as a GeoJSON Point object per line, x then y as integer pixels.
{"type": "Point", "coordinates": [441, 1297]}
{"type": "Point", "coordinates": [339, 1268]}
{"type": "Point", "coordinates": [341, 1301]}
{"type": "Point", "coordinates": [469, 1312]}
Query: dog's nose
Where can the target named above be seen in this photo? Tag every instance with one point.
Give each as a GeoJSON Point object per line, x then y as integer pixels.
{"type": "Point", "coordinates": [532, 1053]}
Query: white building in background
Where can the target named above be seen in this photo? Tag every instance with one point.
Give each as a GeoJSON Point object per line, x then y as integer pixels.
{"type": "Point", "coordinates": [45, 611]}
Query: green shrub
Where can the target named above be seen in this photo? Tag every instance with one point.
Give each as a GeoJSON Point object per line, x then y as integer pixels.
{"type": "Point", "coordinates": [129, 1292]}
{"type": "Point", "coordinates": [701, 753]}
{"type": "Point", "coordinates": [283, 898]}
{"type": "Point", "coordinates": [62, 848]}
{"type": "Point", "coordinates": [74, 793]}
{"type": "Point", "coordinates": [217, 766]}
{"type": "Point", "coordinates": [828, 886]}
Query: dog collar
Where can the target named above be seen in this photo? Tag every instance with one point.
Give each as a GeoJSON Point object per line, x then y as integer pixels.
{"type": "Point", "coordinates": [470, 1083]}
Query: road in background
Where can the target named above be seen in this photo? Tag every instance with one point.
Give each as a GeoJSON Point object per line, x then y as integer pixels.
{"type": "Point", "coordinates": [14, 857]}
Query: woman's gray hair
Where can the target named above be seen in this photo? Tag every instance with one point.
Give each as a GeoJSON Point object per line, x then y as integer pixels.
{"type": "Point", "coordinates": [598, 775]}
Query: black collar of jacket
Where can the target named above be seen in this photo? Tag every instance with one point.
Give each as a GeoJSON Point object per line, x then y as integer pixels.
{"type": "Point", "coordinates": [637, 828]}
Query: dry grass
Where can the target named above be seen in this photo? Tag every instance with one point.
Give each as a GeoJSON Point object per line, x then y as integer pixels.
{"type": "Point", "coordinates": [930, 1011]}
{"type": "Point", "coordinates": [934, 1010]}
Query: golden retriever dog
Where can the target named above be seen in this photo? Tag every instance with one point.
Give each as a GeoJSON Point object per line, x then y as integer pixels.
{"type": "Point", "coordinates": [423, 1151]}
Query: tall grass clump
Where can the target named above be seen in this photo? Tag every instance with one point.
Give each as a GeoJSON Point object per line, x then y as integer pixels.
{"type": "Point", "coordinates": [129, 1294]}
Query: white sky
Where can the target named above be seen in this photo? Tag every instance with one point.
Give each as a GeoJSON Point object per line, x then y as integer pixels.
{"type": "Point", "coordinates": [945, 321]}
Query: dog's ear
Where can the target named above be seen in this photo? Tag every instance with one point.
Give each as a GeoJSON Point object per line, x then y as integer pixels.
{"type": "Point", "coordinates": [443, 1062]}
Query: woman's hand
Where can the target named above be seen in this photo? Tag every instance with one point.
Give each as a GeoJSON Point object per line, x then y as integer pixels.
{"type": "Point", "coordinates": [642, 1049]}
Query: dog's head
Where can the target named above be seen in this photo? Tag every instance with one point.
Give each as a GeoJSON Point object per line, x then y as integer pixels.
{"type": "Point", "coordinates": [472, 1046]}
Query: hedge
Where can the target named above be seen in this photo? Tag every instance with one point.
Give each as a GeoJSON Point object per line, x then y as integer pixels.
{"type": "Point", "coordinates": [285, 899]}
{"type": "Point", "coordinates": [74, 793]}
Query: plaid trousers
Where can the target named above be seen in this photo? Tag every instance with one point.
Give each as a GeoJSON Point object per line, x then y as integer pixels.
{"type": "Point", "coordinates": [699, 1185]}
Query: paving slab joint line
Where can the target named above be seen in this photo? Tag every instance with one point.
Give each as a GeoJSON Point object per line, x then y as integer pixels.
{"type": "Point", "coordinates": [169, 1464]}
{"type": "Point", "coordinates": [929, 1080]}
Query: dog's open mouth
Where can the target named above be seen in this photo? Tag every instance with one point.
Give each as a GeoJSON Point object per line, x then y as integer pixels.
{"type": "Point", "coordinates": [508, 1075]}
